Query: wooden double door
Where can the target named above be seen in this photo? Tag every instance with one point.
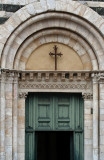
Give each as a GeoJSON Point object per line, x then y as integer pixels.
{"type": "Point", "coordinates": [54, 126]}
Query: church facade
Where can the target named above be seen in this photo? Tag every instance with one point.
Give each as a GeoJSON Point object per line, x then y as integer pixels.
{"type": "Point", "coordinates": [52, 82]}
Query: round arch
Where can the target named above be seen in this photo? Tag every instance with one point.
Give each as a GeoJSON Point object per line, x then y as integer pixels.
{"type": "Point", "coordinates": [66, 22]}
{"type": "Point", "coordinates": [63, 37]}
{"type": "Point", "coordinates": [65, 15]}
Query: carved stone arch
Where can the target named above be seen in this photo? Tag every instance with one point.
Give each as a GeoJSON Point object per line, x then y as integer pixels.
{"type": "Point", "coordinates": [37, 21]}
{"type": "Point", "coordinates": [86, 29]}
{"type": "Point", "coordinates": [49, 36]}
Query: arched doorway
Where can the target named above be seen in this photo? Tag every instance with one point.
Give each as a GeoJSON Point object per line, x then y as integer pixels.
{"type": "Point", "coordinates": [73, 25]}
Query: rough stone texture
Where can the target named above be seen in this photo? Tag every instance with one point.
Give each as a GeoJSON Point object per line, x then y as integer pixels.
{"type": "Point", "coordinates": [88, 130]}
{"type": "Point", "coordinates": [24, 32]}
{"type": "Point", "coordinates": [12, 6]}
{"type": "Point", "coordinates": [101, 121]}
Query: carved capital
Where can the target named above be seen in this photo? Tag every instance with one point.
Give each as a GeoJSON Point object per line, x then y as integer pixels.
{"type": "Point", "coordinates": [2, 76]}
{"type": "Point", "coordinates": [9, 76]}
{"type": "Point", "coordinates": [16, 76]}
{"type": "Point", "coordinates": [98, 77]}
{"type": "Point", "coordinates": [87, 96]}
{"type": "Point", "coordinates": [23, 95]}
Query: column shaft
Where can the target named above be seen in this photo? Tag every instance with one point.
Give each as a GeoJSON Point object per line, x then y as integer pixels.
{"type": "Point", "coordinates": [21, 128]}
{"type": "Point", "coordinates": [15, 104]}
{"type": "Point", "coordinates": [101, 121]}
{"type": "Point", "coordinates": [88, 130]}
{"type": "Point", "coordinates": [95, 121]}
{"type": "Point", "coordinates": [2, 117]}
{"type": "Point", "coordinates": [8, 116]}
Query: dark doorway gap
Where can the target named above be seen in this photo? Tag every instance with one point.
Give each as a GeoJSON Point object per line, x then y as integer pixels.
{"type": "Point", "coordinates": [54, 145]}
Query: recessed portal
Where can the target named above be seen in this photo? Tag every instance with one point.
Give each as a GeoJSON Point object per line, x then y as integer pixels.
{"type": "Point", "coordinates": [54, 126]}
{"type": "Point", "coordinates": [54, 145]}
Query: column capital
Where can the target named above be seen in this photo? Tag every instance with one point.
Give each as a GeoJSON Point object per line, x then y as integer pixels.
{"type": "Point", "coordinates": [23, 95]}
{"type": "Point", "coordinates": [16, 77]}
{"type": "Point", "coordinates": [98, 77]}
{"type": "Point", "coordinates": [9, 76]}
{"type": "Point", "coordinates": [87, 96]}
{"type": "Point", "coordinates": [2, 76]}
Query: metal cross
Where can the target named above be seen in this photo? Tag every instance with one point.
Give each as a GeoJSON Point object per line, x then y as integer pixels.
{"type": "Point", "coordinates": [55, 54]}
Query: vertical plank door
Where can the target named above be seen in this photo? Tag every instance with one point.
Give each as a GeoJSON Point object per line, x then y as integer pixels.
{"type": "Point", "coordinates": [54, 112]}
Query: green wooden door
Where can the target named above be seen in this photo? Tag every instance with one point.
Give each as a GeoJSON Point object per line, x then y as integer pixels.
{"type": "Point", "coordinates": [54, 112]}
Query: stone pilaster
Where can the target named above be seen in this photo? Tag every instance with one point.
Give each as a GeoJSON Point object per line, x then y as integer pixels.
{"type": "Point", "coordinates": [8, 115]}
{"type": "Point", "coordinates": [95, 118]}
{"type": "Point", "coordinates": [15, 105]}
{"type": "Point", "coordinates": [21, 125]}
{"type": "Point", "coordinates": [2, 115]}
{"type": "Point", "coordinates": [100, 78]}
{"type": "Point", "coordinates": [101, 106]}
{"type": "Point", "coordinates": [88, 126]}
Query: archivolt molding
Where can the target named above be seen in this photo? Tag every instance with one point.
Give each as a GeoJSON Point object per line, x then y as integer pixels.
{"type": "Point", "coordinates": [59, 36]}
{"type": "Point", "coordinates": [43, 25]}
{"type": "Point", "coordinates": [28, 17]}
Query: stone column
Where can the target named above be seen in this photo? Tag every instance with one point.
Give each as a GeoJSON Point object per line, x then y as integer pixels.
{"type": "Point", "coordinates": [101, 121]}
{"type": "Point", "coordinates": [15, 104]}
{"type": "Point", "coordinates": [21, 126]}
{"type": "Point", "coordinates": [100, 77]}
{"type": "Point", "coordinates": [88, 126]}
{"type": "Point", "coordinates": [8, 115]}
{"type": "Point", "coordinates": [95, 118]}
{"type": "Point", "coordinates": [2, 115]}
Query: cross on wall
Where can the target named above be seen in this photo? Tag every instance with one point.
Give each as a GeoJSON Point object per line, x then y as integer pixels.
{"type": "Point", "coordinates": [55, 54]}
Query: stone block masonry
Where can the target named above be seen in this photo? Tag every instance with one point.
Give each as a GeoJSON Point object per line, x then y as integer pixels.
{"type": "Point", "coordinates": [6, 10]}
{"type": "Point", "coordinates": [34, 26]}
{"type": "Point", "coordinates": [11, 6]}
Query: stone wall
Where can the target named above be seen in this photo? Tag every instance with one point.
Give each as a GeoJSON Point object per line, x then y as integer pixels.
{"type": "Point", "coordinates": [35, 25]}
{"type": "Point", "coordinates": [8, 7]}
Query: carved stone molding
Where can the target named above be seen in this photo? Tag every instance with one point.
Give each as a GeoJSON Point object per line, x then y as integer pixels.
{"type": "Point", "coordinates": [52, 85]}
{"type": "Point", "coordinates": [73, 81]}
{"type": "Point", "coordinates": [16, 77]}
{"type": "Point", "coordinates": [87, 96]}
{"type": "Point", "coordinates": [9, 76]}
{"type": "Point", "coordinates": [55, 76]}
{"type": "Point", "coordinates": [23, 95]}
{"type": "Point", "coordinates": [3, 76]}
{"type": "Point", "coordinates": [98, 77]}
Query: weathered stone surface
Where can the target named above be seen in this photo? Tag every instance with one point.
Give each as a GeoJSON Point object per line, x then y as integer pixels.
{"type": "Point", "coordinates": [29, 28]}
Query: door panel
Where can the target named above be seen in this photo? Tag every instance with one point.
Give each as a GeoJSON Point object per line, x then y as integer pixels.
{"type": "Point", "coordinates": [78, 146]}
{"type": "Point", "coordinates": [54, 112]}
{"type": "Point", "coordinates": [62, 114]}
{"type": "Point", "coordinates": [29, 148]}
{"type": "Point", "coordinates": [43, 112]}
